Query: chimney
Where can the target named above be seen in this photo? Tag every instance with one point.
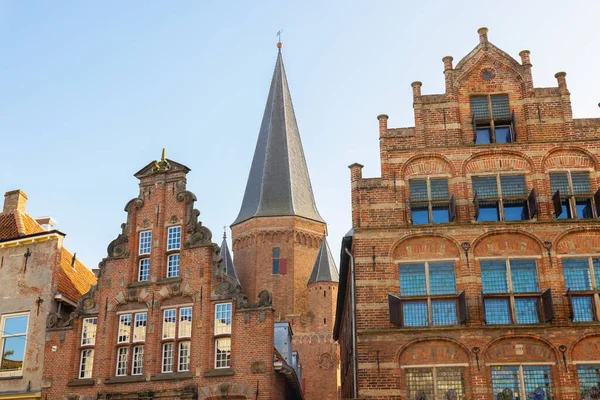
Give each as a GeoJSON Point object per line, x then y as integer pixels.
{"type": "Point", "coordinates": [46, 222]}
{"type": "Point", "coordinates": [416, 86]}
{"type": "Point", "coordinates": [562, 81]}
{"type": "Point", "coordinates": [15, 200]}
{"type": "Point", "coordinates": [525, 57]}
{"type": "Point", "coordinates": [447, 63]}
{"type": "Point", "coordinates": [383, 124]}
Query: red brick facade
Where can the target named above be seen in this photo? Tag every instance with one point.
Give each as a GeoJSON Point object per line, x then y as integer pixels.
{"type": "Point", "coordinates": [396, 361]}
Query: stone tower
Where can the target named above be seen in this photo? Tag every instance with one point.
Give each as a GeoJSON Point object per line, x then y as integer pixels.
{"type": "Point", "coordinates": [278, 240]}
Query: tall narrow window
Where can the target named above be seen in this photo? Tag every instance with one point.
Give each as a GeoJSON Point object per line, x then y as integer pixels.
{"type": "Point", "coordinates": [167, 358]}
{"type": "Point", "coordinates": [493, 121]}
{"type": "Point", "coordinates": [185, 322]}
{"type": "Point", "coordinates": [223, 353]}
{"type": "Point", "coordinates": [589, 380]}
{"type": "Point", "coordinates": [510, 292]}
{"type": "Point", "coordinates": [573, 196]}
{"type": "Point", "coordinates": [177, 324]}
{"type": "Point", "coordinates": [430, 201]}
{"type": "Point", "coordinates": [173, 266]}
{"type": "Point", "coordinates": [169, 321]}
{"type": "Point", "coordinates": [124, 328]}
{"type": "Point", "coordinates": [174, 238]}
{"type": "Point", "coordinates": [13, 339]}
{"type": "Point", "coordinates": [501, 198]}
{"type": "Point", "coordinates": [122, 357]}
{"type": "Point", "coordinates": [223, 314]}
{"type": "Point", "coordinates": [524, 382]}
{"type": "Point", "coordinates": [131, 338]}
{"type": "Point", "coordinates": [275, 260]}
{"type": "Point", "coordinates": [435, 383]}
{"type": "Point", "coordinates": [184, 356]}
{"type": "Point", "coordinates": [144, 271]}
{"type": "Point", "coordinates": [88, 331]}
{"type": "Point", "coordinates": [137, 364]}
{"type": "Point", "coordinates": [223, 318]}
{"type": "Point", "coordinates": [582, 276]}
{"type": "Point", "coordinates": [145, 242]}
{"type": "Point", "coordinates": [139, 330]}
{"type": "Point", "coordinates": [86, 363]}
{"type": "Point", "coordinates": [88, 341]}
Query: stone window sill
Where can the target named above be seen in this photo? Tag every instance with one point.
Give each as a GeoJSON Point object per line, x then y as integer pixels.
{"type": "Point", "coordinates": [126, 379]}
{"type": "Point", "coordinates": [166, 281]}
{"type": "Point", "coordinates": [8, 377]}
{"type": "Point", "coordinates": [172, 376]}
{"type": "Point", "coordinates": [139, 284]}
{"type": "Point", "coordinates": [219, 372]}
{"type": "Point", "coordinates": [81, 382]}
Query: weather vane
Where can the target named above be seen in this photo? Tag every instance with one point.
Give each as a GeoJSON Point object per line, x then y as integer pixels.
{"type": "Point", "coordinates": [279, 35]}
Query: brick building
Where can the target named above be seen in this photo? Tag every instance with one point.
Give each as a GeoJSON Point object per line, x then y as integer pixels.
{"type": "Point", "coordinates": [475, 258]}
{"type": "Point", "coordinates": [41, 283]}
{"type": "Point", "coordinates": [279, 241]}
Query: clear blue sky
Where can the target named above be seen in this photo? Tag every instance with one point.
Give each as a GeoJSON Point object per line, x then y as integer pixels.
{"type": "Point", "coordinates": [92, 91]}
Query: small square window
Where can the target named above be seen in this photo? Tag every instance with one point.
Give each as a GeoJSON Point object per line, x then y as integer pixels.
{"type": "Point", "coordinates": [515, 210]}
{"type": "Point", "coordinates": [584, 208]}
{"type": "Point", "coordinates": [145, 242]}
{"type": "Point", "coordinates": [527, 310]}
{"type": "Point", "coordinates": [489, 211]}
{"type": "Point", "coordinates": [174, 238]}
{"type": "Point", "coordinates": [415, 313]}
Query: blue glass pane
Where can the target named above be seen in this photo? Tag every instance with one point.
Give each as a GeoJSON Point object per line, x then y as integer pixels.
{"type": "Point", "coordinates": [440, 214]}
{"type": "Point", "coordinates": [441, 278]}
{"type": "Point", "coordinates": [275, 266]}
{"type": "Point", "coordinates": [419, 215]}
{"type": "Point", "coordinates": [418, 189]}
{"type": "Point", "coordinates": [412, 280]}
{"type": "Point", "coordinates": [506, 377]}
{"type": "Point", "coordinates": [527, 311]}
{"type": "Point", "coordinates": [415, 313]}
{"type": "Point", "coordinates": [515, 210]}
{"type": "Point", "coordinates": [488, 211]}
{"type": "Point", "coordinates": [583, 308]}
{"type": "Point", "coordinates": [596, 262]}
{"type": "Point", "coordinates": [13, 353]}
{"type": "Point", "coordinates": [275, 252]}
{"type": "Point", "coordinates": [496, 312]}
{"type": "Point", "coordinates": [577, 273]}
{"type": "Point", "coordinates": [503, 134]}
{"type": "Point", "coordinates": [589, 377]}
{"type": "Point", "coordinates": [538, 382]}
{"type": "Point", "coordinates": [584, 208]}
{"type": "Point", "coordinates": [493, 276]}
{"type": "Point", "coordinates": [444, 312]}
{"type": "Point", "coordinates": [486, 187]}
{"type": "Point", "coordinates": [484, 136]}
{"type": "Point", "coordinates": [15, 325]}
{"type": "Point", "coordinates": [524, 276]}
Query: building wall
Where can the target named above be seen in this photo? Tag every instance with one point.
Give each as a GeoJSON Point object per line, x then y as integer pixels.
{"type": "Point", "coordinates": [441, 145]}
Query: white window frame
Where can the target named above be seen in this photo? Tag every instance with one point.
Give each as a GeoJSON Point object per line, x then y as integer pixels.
{"type": "Point", "coordinates": [164, 358]}
{"type": "Point", "coordinates": [181, 333]}
{"type": "Point", "coordinates": [86, 373]}
{"type": "Point", "coordinates": [219, 363]}
{"type": "Point", "coordinates": [4, 336]}
{"type": "Point", "coordinates": [180, 347]}
{"type": "Point", "coordinates": [121, 368]}
{"type": "Point", "coordinates": [142, 327]}
{"type": "Point", "coordinates": [174, 244]}
{"type": "Point", "coordinates": [144, 233]}
{"type": "Point", "coordinates": [165, 333]}
{"type": "Point", "coordinates": [143, 260]}
{"type": "Point", "coordinates": [90, 333]}
{"type": "Point", "coordinates": [121, 330]}
{"type": "Point", "coordinates": [137, 357]}
{"type": "Point", "coordinates": [169, 258]}
{"type": "Point", "coordinates": [224, 329]}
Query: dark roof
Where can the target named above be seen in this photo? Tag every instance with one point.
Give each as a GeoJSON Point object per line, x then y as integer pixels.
{"type": "Point", "coordinates": [278, 183]}
{"type": "Point", "coordinates": [324, 269]}
{"type": "Point", "coordinates": [227, 260]}
{"type": "Point", "coordinates": [343, 285]}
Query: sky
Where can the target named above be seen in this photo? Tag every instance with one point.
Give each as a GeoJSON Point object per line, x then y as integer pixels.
{"type": "Point", "coordinates": [90, 92]}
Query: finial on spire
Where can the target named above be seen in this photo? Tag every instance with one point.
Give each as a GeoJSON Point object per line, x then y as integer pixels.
{"type": "Point", "coordinates": [279, 45]}
{"type": "Point", "coordinates": [162, 165]}
{"type": "Point", "coordinates": [224, 231]}
{"type": "Point", "coordinates": [164, 154]}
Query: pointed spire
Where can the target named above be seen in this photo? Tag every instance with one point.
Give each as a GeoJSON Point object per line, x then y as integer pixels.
{"type": "Point", "coordinates": [278, 183]}
{"type": "Point", "coordinates": [227, 260]}
{"type": "Point", "coordinates": [324, 269]}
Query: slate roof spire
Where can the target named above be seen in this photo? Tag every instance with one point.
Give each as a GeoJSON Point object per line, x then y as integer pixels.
{"type": "Point", "coordinates": [324, 269]}
{"type": "Point", "coordinates": [227, 260]}
{"type": "Point", "coordinates": [278, 183]}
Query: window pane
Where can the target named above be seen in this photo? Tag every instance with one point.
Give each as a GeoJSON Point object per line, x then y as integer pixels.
{"type": "Point", "coordinates": [275, 267]}
{"type": "Point", "coordinates": [500, 108]}
{"type": "Point", "coordinates": [583, 308]}
{"type": "Point", "coordinates": [167, 357]}
{"type": "Point", "coordinates": [86, 364]}
{"type": "Point", "coordinates": [503, 134]}
{"type": "Point", "coordinates": [173, 266]}
{"type": "Point", "coordinates": [222, 318]}
{"type": "Point", "coordinates": [412, 280]}
{"type": "Point", "coordinates": [275, 252]}
{"type": "Point", "coordinates": [145, 242]}
{"type": "Point", "coordinates": [560, 181]}
{"type": "Point", "coordinates": [174, 238]}
{"type": "Point", "coordinates": [415, 313]}
{"type": "Point", "coordinates": [479, 108]}
{"type": "Point", "coordinates": [13, 353]}
{"type": "Point", "coordinates": [138, 360]}
{"type": "Point", "coordinates": [184, 356]}
{"type": "Point", "coordinates": [223, 353]}
{"type": "Point", "coordinates": [419, 214]}
{"type": "Point", "coordinates": [584, 208]}
{"type": "Point", "coordinates": [497, 312]}
{"type": "Point", "coordinates": [538, 382]}
{"type": "Point", "coordinates": [524, 276]}
{"type": "Point", "coordinates": [486, 187]}
{"type": "Point", "coordinates": [444, 312]}
{"type": "Point", "coordinates": [581, 183]}
{"type": "Point", "coordinates": [440, 214]}
{"type": "Point", "coordinates": [122, 355]}
{"type": "Point", "coordinates": [483, 135]}
{"type": "Point", "coordinates": [450, 379]}
{"type": "Point", "coordinates": [169, 321]}
{"type": "Point", "coordinates": [15, 325]}
{"type": "Point", "coordinates": [513, 186]}
{"type": "Point", "coordinates": [439, 189]}
{"type": "Point", "coordinates": [124, 328]}
{"type": "Point", "coordinates": [418, 189]}
{"type": "Point", "coordinates": [493, 276]}
{"type": "Point", "coordinates": [577, 273]}
{"type": "Point", "coordinates": [527, 311]}
{"type": "Point", "coordinates": [566, 210]}
{"type": "Point", "coordinates": [515, 210]}
{"type": "Point", "coordinates": [139, 329]}
{"type": "Point", "coordinates": [596, 262]}
{"type": "Point", "coordinates": [88, 332]}
{"type": "Point", "coordinates": [488, 211]}
{"type": "Point", "coordinates": [185, 322]}
{"type": "Point", "coordinates": [589, 377]}
{"type": "Point", "coordinates": [144, 273]}
{"type": "Point", "coordinates": [504, 379]}
{"type": "Point", "coordinates": [441, 278]}
{"type": "Point", "coordinates": [419, 383]}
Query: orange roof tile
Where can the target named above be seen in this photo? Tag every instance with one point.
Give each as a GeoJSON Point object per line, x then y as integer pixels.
{"type": "Point", "coordinates": [74, 280]}
{"type": "Point", "coordinates": [14, 224]}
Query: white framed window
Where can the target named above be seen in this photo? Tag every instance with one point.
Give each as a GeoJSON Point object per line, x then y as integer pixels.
{"type": "Point", "coordinates": [223, 318]}
{"type": "Point", "coordinates": [13, 328]}
{"type": "Point", "coordinates": [185, 322]}
{"type": "Point", "coordinates": [174, 238]}
{"type": "Point", "coordinates": [169, 322]}
{"type": "Point", "coordinates": [88, 331]}
{"type": "Point", "coordinates": [523, 381]}
{"type": "Point", "coordinates": [167, 357]}
{"type": "Point", "coordinates": [86, 364]}
{"type": "Point", "coordinates": [144, 270]}
{"type": "Point", "coordinates": [122, 357]}
{"type": "Point", "coordinates": [184, 356]}
{"type": "Point", "coordinates": [139, 328]}
{"type": "Point", "coordinates": [145, 242]}
{"type": "Point", "coordinates": [173, 266]}
{"type": "Point", "coordinates": [137, 362]}
{"type": "Point", "coordinates": [124, 328]}
{"type": "Point", "coordinates": [223, 352]}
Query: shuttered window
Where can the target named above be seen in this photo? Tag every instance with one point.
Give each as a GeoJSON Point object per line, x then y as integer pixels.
{"type": "Point", "coordinates": [582, 279]}
{"type": "Point", "coordinates": [573, 196]}
{"type": "Point", "coordinates": [430, 201]}
{"type": "Point", "coordinates": [503, 198]}
{"type": "Point", "coordinates": [493, 122]}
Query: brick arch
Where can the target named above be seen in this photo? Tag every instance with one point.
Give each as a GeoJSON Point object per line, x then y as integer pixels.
{"type": "Point", "coordinates": [509, 241]}
{"type": "Point", "coordinates": [432, 347]}
{"type": "Point", "coordinates": [498, 160]}
{"type": "Point", "coordinates": [499, 61]}
{"type": "Point", "coordinates": [568, 157]}
{"type": "Point", "coordinates": [534, 346]}
{"type": "Point", "coordinates": [425, 246]}
{"type": "Point", "coordinates": [580, 346]}
{"type": "Point", "coordinates": [427, 164]}
{"type": "Point", "coordinates": [578, 238]}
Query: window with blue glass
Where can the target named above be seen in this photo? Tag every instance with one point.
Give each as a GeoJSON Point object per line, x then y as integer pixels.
{"type": "Point", "coordinates": [429, 201]}
{"type": "Point", "coordinates": [573, 196]}
{"type": "Point", "coordinates": [500, 198]}
{"type": "Point", "coordinates": [511, 293]}
{"type": "Point", "coordinates": [582, 276]}
{"type": "Point", "coordinates": [493, 122]}
{"type": "Point", "coordinates": [522, 382]}
{"type": "Point", "coordinates": [276, 260]}
{"type": "Point", "coordinates": [428, 292]}
{"type": "Point", "coordinates": [589, 380]}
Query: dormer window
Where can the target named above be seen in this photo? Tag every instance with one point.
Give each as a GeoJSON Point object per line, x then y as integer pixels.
{"type": "Point", "coordinates": [493, 122]}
